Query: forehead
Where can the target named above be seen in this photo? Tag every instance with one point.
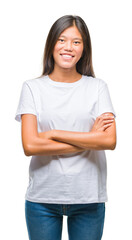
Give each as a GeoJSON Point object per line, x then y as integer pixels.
{"type": "Point", "coordinates": [71, 32]}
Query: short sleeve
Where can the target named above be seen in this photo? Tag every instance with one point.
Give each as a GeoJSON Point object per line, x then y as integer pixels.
{"type": "Point", "coordinates": [26, 102]}
{"type": "Point", "coordinates": [104, 100]}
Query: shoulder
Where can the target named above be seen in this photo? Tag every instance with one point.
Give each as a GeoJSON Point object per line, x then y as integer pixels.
{"type": "Point", "coordinates": [36, 82]}
{"type": "Point", "coordinates": [94, 82]}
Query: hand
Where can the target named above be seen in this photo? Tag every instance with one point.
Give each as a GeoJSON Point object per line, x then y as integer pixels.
{"type": "Point", "coordinates": [47, 135]}
{"type": "Point", "coordinates": [102, 122]}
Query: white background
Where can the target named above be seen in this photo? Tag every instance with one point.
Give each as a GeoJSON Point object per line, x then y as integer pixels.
{"type": "Point", "coordinates": [24, 28]}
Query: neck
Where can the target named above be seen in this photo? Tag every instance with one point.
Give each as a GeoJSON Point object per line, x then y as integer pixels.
{"type": "Point", "coordinates": [65, 75]}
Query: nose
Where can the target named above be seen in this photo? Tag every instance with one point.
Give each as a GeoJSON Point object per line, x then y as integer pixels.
{"type": "Point", "coordinates": [68, 46]}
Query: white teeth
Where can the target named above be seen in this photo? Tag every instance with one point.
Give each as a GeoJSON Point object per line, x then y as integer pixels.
{"type": "Point", "coordinates": [67, 56]}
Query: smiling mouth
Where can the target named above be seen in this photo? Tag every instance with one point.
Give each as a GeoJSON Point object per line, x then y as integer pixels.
{"type": "Point", "coordinates": [67, 56]}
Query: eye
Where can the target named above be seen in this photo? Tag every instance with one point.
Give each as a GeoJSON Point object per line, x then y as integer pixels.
{"type": "Point", "coordinates": [61, 40]}
{"type": "Point", "coordinates": [76, 42]}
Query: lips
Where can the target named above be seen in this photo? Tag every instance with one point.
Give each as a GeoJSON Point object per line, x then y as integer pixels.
{"type": "Point", "coordinates": [67, 55]}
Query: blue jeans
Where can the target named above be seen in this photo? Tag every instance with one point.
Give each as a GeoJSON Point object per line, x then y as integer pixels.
{"type": "Point", "coordinates": [45, 220]}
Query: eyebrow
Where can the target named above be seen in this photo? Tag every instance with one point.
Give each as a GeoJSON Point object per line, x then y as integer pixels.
{"type": "Point", "coordinates": [77, 38]}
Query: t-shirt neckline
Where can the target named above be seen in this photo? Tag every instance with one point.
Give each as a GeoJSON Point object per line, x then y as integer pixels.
{"type": "Point", "coordinates": [64, 84]}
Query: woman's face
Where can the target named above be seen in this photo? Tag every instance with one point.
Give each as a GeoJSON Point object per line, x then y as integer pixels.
{"type": "Point", "coordinates": [68, 48]}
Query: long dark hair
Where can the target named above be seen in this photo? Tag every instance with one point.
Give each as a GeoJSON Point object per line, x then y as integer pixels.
{"type": "Point", "coordinates": [84, 65]}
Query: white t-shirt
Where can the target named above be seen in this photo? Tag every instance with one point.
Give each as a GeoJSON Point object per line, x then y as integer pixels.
{"type": "Point", "coordinates": [70, 178]}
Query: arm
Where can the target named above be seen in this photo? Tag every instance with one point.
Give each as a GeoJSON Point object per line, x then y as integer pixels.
{"type": "Point", "coordinates": [35, 143]}
{"type": "Point", "coordinates": [101, 137]}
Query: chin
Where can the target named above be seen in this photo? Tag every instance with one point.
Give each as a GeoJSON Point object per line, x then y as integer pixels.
{"type": "Point", "coordinates": [67, 66]}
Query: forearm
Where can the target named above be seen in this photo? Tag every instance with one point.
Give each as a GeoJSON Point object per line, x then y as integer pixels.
{"type": "Point", "coordinates": [96, 140]}
{"type": "Point", "coordinates": [42, 146]}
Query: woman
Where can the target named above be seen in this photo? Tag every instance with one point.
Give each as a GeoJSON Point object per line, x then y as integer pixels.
{"type": "Point", "coordinates": [67, 122]}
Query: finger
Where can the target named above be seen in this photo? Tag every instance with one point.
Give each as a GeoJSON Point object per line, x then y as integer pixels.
{"type": "Point", "coordinates": [107, 126]}
{"type": "Point", "coordinates": [104, 118]}
{"type": "Point", "coordinates": [108, 115]}
{"type": "Point", "coordinates": [108, 121]}
{"type": "Point", "coordinates": [103, 122]}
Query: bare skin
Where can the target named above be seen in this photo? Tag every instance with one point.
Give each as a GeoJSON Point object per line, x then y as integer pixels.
{"type": "Point", "coordinates": [67, 52]}
{"type": "Point", "coordinates": [102, 136]}
{"type": "Point", "coordinates": [69, 43]}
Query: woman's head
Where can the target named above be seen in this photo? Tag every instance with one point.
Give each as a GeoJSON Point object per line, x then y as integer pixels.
{"type": "Point", "coordinates": [84, 63]}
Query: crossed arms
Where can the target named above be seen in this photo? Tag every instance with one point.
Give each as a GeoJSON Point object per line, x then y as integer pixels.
{"type": "Point", "coordinates": [54, 142]}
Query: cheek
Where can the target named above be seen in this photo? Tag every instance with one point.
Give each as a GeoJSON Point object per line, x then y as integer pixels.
{"type": "Point", "coordinates": [56, 48]}
{"type": "Point", "coordinates": [55, 51]}
{"type": "Point", "coordinates": [80, 52]}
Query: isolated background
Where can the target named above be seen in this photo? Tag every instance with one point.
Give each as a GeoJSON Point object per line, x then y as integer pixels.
{"type": "Point", "coordinates": [24, 28]}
